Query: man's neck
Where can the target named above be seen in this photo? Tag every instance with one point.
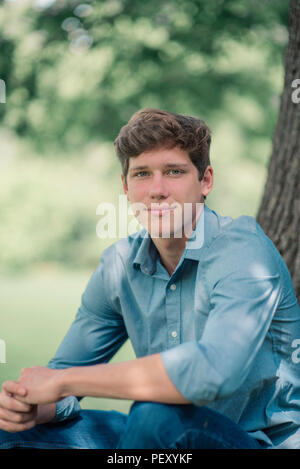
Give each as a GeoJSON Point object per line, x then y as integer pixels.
{"type": "Point", "coordinates": [170, 251]}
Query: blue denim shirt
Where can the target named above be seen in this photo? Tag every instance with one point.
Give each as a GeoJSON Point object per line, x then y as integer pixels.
{"type": "Point", "coordinates": [225, 323]}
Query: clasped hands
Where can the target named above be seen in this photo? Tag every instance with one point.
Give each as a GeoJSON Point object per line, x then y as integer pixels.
{"type": "Point", "coordinates": [30, 400]}
{"type": "Point", "coordinates": [36, 385]}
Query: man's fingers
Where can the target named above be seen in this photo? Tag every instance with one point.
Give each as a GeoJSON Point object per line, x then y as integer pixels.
{"type": "Point", "coordinates": [14, 388]}
{"type": "Point", "coordinates": [16, 427]}
{"type": "Point", "coordinates": [9, 394]}
{"type": "Point", "coordinates": [13, 404]}
{"type": "Point", "coordinates": [17, 417]}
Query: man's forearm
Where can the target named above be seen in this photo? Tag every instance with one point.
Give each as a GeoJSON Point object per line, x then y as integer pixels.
{"type": "Point", "coordinates": [142, 379]}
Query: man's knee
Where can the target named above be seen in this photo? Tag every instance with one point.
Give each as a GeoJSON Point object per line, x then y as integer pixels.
{"type": "Point", "coordinates": [152, 425]}
{"type": "Point", "coordinates": [152, 413]}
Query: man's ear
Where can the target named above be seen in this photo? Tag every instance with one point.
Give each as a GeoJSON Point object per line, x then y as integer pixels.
{"type": "Point", "coordinates": [125, 187]}
{"type": "Point", "coordinates": [207, 181]}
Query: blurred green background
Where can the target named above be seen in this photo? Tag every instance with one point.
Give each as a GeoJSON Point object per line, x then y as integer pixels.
{"type": "Point", "coordinates": [74, 74]}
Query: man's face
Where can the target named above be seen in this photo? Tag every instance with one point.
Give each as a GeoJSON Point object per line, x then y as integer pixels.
{"type": "Point", "coordinates": [165, 192]}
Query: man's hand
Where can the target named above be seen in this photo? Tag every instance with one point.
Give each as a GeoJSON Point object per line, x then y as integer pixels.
{"type": "Point", "coordinates": [16, 416]}
{"type": "Point", "coordinates": [36, 385]}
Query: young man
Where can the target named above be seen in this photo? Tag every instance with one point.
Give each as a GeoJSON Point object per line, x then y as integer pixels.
{"type": "Point", "coordinates": [207, 303]}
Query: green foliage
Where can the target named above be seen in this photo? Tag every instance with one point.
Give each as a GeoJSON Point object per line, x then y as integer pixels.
{"type": "Point", "coordinates": [48, 207]}
{"type": "Point", "coordinates": [75, 74]}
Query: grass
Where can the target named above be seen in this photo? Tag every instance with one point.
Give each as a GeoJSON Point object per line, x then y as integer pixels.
{"type": "Point", "coordinates": [36, 312]}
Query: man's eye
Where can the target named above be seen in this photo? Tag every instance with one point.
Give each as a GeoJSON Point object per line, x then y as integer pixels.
{"type": "Point", "coordinates": [141, 174]}
{"type": "Point", "coordinates": [175, 172]}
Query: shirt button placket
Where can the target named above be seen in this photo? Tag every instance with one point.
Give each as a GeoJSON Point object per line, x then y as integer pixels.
{"type": "Point", "coordinates": [173, 314]}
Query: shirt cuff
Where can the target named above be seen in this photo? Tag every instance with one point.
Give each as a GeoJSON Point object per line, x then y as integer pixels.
{"type": "Point", "coordinates": [67, 409]}
{"type": "Point", "coordinates": [191, 373]}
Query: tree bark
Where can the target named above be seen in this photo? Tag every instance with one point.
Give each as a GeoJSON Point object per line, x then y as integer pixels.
{"type": "Point", "coordinates": [279, 213]}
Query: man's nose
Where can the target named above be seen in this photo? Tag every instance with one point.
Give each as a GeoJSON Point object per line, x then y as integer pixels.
{"type": "Point", "coordinates": [158, 187]}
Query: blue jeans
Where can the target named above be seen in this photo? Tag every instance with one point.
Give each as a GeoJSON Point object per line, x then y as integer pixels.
{"type": "Point", "coordinates": [148, 426]}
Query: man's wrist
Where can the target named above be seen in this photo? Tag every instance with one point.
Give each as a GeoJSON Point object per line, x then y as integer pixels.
{"type": "Point", "coordinates": [79, 381]}
{"type": "Point", "coordinates": [66, 382]}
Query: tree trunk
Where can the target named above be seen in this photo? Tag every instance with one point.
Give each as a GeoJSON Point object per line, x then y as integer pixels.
{"type": "Point", "coordinates": [279, 213]}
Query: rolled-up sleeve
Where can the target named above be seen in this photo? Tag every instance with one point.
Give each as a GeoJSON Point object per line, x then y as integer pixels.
{"type": "Point", "coordinates": [94, 337]}
{"type": "Point", "coordinates": [242, 278]}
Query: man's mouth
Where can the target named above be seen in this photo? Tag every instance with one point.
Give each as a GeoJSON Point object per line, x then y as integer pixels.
{"type": "Point", "coordinates": [161, 209]}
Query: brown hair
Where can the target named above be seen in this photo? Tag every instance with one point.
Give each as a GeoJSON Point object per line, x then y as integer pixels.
{"type": "Point", "coordinates": [152, 128]}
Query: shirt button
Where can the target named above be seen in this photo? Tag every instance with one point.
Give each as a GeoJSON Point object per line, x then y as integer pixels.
{"type": "Point", "coordinates": [173, 287]}
{"type": "Point", "coordinates": [174, 334]}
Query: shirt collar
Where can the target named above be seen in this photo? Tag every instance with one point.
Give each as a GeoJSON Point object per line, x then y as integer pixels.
{"type": "Point", "coordinates": [146, 256]}
{"type": "Point", "coordinates": [207, 227]}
